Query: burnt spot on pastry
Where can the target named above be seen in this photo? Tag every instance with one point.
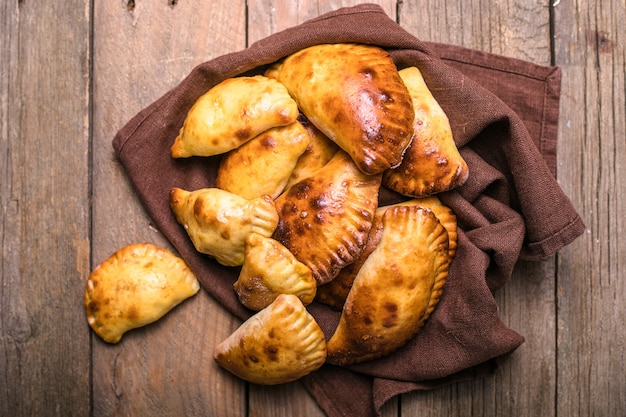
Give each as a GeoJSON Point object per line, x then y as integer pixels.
{"type": "Point", "coordinates": [243, 133]}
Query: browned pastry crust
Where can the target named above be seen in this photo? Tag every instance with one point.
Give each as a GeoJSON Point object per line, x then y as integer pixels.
{"type": "Point", "coordinates": [395, 290]}
{"type": "Point", "coordinates": [325, 218]}
{"type": "Point", "coordinates": [432, 163]}
{"type": "Point", "coordinates": [354, 95]}
{"type": "Point", "coordinates": [279, 344]}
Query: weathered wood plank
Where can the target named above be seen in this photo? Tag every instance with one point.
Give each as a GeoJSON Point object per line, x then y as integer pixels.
{"type": "Point", "coordinates": [590, 48]}
{"type": "Point", "coordinates": [521, 30]}
{"type": "Point", "coordinates": [44, 149]}
{"type": "Point", "coordinates": [141, 50]}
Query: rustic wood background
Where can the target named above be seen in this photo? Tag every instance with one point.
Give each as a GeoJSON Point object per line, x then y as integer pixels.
{"type": "Point", "coordinates": [73, 72]}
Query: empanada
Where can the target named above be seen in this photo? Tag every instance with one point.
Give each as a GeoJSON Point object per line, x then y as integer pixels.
{"type": "Point", "coordinates": [325, 218]}
{"type": "Point", "coordinates": [263, 165]}
{"type": "Point", "coordinates": [432, 163]}
{"type": "Point", "coordinates": [395, 290]}
{"type": "Point", "coordinates": [279, 344]}
{"type": "Point", "coordinates": [317, 154]}
{"type": "Point", "coordinates": [218, 222]}
{"type": "Point", "coordinates": [231, 113]}
{"type": "Point", "coordinates": [135, 286]}
{"type": "Point", "coordinates": [444, 214]}
{"type": "Point", "coordinates": [268, 270]}
{"type": "Point", "coordinates": [354, 95]}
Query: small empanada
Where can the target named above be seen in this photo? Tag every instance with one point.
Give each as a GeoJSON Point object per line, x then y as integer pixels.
{"type": "Point", "coordinates": [432, 163]}
{"type": "Point", "coordinates": [444, 214]}
{"type": "Point", "coordinates": [395, 290]}
{"type": "Point", "coordinates": [325, 218]}
{"type": "Point", "coordinates": [317, 154]}
{"type": "Point", "coordinates": [135, 286]}
{"type": "Point", "coordinates": [263, 165]}
{"type": "Point", "coordinates": [279, 344]}
{"type": "Point", "coordinates": [218, 222]}
{"type": "Point", "coordinates": [268, 270]}
{"type": "Point", "coordinates": [231, 113]}
{"type": "Point", "coordinates": [354, 95]}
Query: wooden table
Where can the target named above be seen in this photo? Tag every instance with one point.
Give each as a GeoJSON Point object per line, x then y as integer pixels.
{"type": "Point", "coordinates": [73, 72]}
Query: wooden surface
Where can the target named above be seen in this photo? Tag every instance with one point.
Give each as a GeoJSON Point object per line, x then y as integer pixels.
{"type": "Point", "coordinates": [72, 73]}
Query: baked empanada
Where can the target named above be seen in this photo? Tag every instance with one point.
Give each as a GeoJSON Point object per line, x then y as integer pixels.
{"type": "Point", "coordinates": [444, 214]}
{"type": "Point", "coordinates": [317, 154]}
{"type": "Point", "coordinates": [279, 344]}
{"type": "Point", "coordinates": [354, 95]}
{"type": "Point", "coordinates": [263, 165]}
{"type": "Point", "coordinates": [218, 222]}
{"type": "Point", "coordinates": [268, 270]}
{"type": "Point", "coordinates": [135, 286]}
{"type": "Point", "coordinates": [231, 113]}
{"type": "Point", "coordinates": [432, 163]}
{"type": "Point", "coordinates": [325, 218]}
{"type": "Point", "coordinates": [395, 290]}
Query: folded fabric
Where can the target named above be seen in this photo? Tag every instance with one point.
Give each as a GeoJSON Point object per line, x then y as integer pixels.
{"type": "Point", "coordinates": [504, 115]}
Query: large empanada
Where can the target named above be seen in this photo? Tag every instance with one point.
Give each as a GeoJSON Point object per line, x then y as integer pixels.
{"type": "Point", "coordinates": [354, 95]}
{"type": "Point", "coordinates": [135, 286]}
{"type": "Point", "coordinates": [432, 163]}
{"type": "Point", "coordinates": [218, 222]}
{"type": "Point", "coordinates": [270, 269]}
{"type": "Point", "coordinates": [263, 165]}
{"type": "Point", "coordinates": [231, 113]}
{"type": "Point", "coordinates": [444, 214]}
{"type": "Point", "coordinates": [317, 154]}
{"type": "Point", "coordinates": [395, 290]}
{"type": "Point", "coordinates": [279, 344]}
{"type": "Point", "coordinates": [325, 218]}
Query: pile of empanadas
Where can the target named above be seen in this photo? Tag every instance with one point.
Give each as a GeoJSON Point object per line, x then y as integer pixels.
{"type": "Point", "coordinates": [305, 149]}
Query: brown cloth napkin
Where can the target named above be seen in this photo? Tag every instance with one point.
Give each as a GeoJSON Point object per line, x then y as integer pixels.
{"type": "Point", "coordinates": [504, 116]}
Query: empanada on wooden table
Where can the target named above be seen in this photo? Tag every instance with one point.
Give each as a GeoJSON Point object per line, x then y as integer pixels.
{"type": "Point", "coordinates": [355, 96]}
{"type": "Point", "coordinates": [218, 222]}
{"type": "Point", "coordinates": [135, 286]}
{"type": "Point", "coordinates": [279, 344]}
{"type": "Point", "coordinates": [231, 113]}
{"type": "Point", "coordinates": [270, 269]}
{"type": "Point", "coordinates": [395, 290]}
{"type": "Point", "coordinates": [263, 165]}
{"type": "Point", "coordinates": [325, 218]}
{"type": "Point", "coordinates": [432, 163]}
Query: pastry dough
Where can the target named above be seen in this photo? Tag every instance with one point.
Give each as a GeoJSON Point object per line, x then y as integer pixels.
{"type": "Point", "coordinates": [279, 344]}
{"type": "Point", "coordinates": [317, 154]}
{"type": "Point", "coordinates": [231, 113]}
{"type": "Point", "coordinates": [268, 270]}
{"type": "Point", "coordinates": [444, 214]}
{"type": "Point", "coordinates": [354, 95]}
{"type": "Point", "coordinates": [325, 218]}
{"type": "Point", "coordinates": [218, 222]}
{"type": "Point", "coordinates": [395, 290]}
{"type": "Point", "coordinates": [135, 286]}
{"type": "Point", "coordinates": [263, 165]}
{"type": "Point", "coordinates": [432, 163]}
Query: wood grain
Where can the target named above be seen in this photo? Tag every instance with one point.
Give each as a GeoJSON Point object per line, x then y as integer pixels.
{"type": "Point", "coordinates": [44, 348]}
{"type": "Point", "coordinates": [140, 53]}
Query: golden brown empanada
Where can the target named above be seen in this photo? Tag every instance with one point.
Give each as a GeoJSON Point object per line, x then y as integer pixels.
{"type": "Point", "coordinates": [135, 286]}
{"type": "Point", "coordinates": [317, 154]}
{"type": "Point", "coordinates": [268, 270]}
{"type": "Point", "coordinates": [432, 163]}
{"type": "Point", "coordinates": [444, 214]}
{"type": "Point", "coordinates": [218, 222]}
{"type": "Point", "coordinates": [354, 95]}
{"type": "Point", "coordinates": [395, 290]}
{"type": "Point", "coordinates": [279, 344]}
{"type": "Point", "coordinates": [325, 218]}
{"type": "Point", "coordinates": [263, 165]}
{"type": "Point", "coordinates": [231, 113]}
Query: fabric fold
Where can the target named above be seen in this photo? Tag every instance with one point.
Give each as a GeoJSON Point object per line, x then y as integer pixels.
{"type": "Point", "coordinates": [504, 116]}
